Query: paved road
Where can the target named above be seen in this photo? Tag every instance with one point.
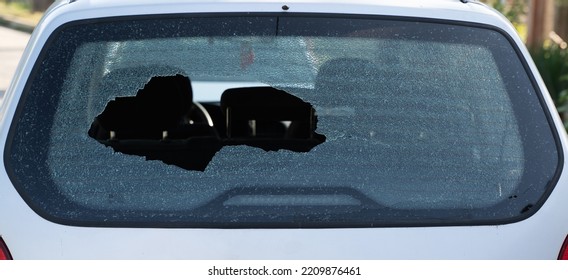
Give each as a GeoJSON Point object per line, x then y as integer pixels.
{"type": "Point", "coordinates": [12, 44]}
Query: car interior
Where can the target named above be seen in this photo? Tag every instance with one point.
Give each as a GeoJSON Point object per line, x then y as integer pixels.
{"type": "Point", "coordinates": [162, 122]}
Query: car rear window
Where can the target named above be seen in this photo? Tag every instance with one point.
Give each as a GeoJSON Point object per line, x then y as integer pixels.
{"type": "Point", "coordinates": [280, 121]}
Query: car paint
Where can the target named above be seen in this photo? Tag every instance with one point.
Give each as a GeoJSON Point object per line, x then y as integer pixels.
{"type": "Point", "coordinates": [29, 236]}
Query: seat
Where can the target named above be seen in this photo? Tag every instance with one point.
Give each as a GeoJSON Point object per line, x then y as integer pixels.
{"type": "Point", "coordinates": [270, 119]}
{"type": "Point", "coordinates": [344, 79]}
{"type": "Point", "coordinates": [157, 124]}
{"type": "Point", "coordinates": [262, 112]}
{"type": "Point", "coordinates": [164, 104]}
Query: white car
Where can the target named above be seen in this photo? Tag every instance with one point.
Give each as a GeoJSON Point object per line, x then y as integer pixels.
{"type": "Point", "coordinates": [305, 129]}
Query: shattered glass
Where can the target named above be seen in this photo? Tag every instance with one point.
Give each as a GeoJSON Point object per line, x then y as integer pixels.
{"type": "Point", "coordinates": [415, 129]}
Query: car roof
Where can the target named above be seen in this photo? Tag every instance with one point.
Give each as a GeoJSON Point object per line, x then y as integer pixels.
{"type": "Point", "coordinates": [465, 10]}
{"type": "Point", "coordinates": [448, 5]}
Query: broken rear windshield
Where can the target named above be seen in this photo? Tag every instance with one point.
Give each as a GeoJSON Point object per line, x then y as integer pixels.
{"type": "Point", "coordinates": [259, 121]}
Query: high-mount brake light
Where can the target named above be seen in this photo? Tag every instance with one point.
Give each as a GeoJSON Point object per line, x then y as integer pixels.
{"type": "Point", "coordinates": [4, 253]}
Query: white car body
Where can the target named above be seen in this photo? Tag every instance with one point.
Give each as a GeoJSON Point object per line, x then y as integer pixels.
{"type": "Point", "coordinates": [29, 236]}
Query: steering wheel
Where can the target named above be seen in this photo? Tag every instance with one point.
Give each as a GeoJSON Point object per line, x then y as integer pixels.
{"type": "Point", "coordinates": [199, 115]}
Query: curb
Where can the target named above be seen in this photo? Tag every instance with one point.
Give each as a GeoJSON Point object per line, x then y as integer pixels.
{"type": "Point", "coordinates": [17, 24]}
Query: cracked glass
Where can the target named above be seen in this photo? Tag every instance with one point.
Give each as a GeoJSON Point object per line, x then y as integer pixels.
{"type": "Point", "coordinates": [283, 122]}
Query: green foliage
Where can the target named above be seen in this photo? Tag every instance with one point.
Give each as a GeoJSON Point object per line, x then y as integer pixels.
{"type": "Point", "coordinates": [552, 63]}
{"type": "Point", "coordinates": [22, 5]}
{"type": "Point", "coordinates": [514, 10]}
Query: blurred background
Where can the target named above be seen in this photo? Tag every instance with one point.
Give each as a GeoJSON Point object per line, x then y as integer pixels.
{"type": "Point", "coordinates": [543, 25]}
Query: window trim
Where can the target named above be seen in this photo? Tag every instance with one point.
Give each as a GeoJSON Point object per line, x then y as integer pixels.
{"type": "Point", "coordinates": [21, 186]}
